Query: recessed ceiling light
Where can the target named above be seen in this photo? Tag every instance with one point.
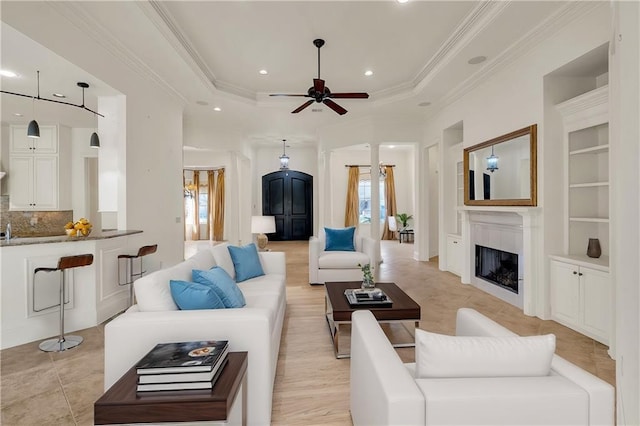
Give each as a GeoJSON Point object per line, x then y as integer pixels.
{"type": "Point", "coordinates": [203, 103]}
{"type": "Point", "coordinates": [402, 1]}
{"type": "Point", "coordinates": [424, 104]}
{"type": "Point", "coordinates": [263, 72]}
{"type": "Point", "coordinates": [368, 73]}
{"type": "Point", "coordinates": [477, 60]}
{"type": "Point", "coordinates": [7, 73]}
{"type": "Point", "coordinates": [17, 114]}
{"type": "Point", "coordinates": [392, 146]}
{"type": "Point", "coordinates": [58, 95]}
{"type": "Point", "coordinates": [217, 109]}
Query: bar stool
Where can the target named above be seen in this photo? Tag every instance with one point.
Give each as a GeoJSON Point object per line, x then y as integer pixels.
{"type": "Point", "coordinates": [62, 343]}
{"type": "Point", "coordinates": [130, 275]}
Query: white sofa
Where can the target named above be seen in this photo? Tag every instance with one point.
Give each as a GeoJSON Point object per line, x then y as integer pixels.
{"type": "Point", "coordinates": [339, 265]}
{"type": "Point", "coordinates": [384, 391]}
{"type": "Point", "coordinates": [256, 328]}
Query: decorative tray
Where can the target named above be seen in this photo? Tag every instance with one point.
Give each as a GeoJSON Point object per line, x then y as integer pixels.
{"type": "Point", "coordinates": [374, 298]}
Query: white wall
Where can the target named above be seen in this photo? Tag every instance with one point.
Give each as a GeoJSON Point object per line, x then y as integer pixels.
{"type": "Point", "coordinates": [625, 213]}
{"type": "Point", "coordinates": [80, 150]}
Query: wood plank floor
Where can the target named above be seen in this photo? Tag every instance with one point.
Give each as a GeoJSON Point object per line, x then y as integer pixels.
{"type": "Point", "coordinates": [312, 387]}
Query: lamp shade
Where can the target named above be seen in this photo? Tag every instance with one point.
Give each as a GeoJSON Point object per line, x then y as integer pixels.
{"type": "Point", "coordinates": [33, 130]}
{"type": "Point", "coordinates": [95, 140]}
{"type": "Point", "coordinates": [263, 224]}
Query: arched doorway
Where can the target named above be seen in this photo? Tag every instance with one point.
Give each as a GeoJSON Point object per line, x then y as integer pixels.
{"type": "Point", "coordinates": [288, 195]}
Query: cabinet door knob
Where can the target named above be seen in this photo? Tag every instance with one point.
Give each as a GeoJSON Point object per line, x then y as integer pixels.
{"type": "Point", "coordinates": [575, 272]}
{"type": "Point", "coordinates": [455, 242]}
{"type": "Point", "coordinates": [580, 274]}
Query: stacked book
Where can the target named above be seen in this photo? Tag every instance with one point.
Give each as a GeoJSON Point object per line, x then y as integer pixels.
{"type": "Point", "coordinates": [184, 365]}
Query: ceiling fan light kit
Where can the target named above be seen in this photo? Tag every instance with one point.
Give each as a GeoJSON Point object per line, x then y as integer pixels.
{"type": "Point", "coordinates": [321, 94]}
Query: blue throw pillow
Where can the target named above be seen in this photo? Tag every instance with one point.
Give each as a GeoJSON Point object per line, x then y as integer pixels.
{"type": "Point", "coordinates": [246, 262]}
{"type": "Point", "coordinates": [339, 239]}
{"type": "Point", "coordinates": [189, 296]}
{"type": "Point", "coordinates": [217, 279]}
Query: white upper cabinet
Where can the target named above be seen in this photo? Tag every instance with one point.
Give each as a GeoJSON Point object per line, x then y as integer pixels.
{"type": "Point", "coordinates": [47, 143]}
{"type": "Point", "coordinates": [39, 169]}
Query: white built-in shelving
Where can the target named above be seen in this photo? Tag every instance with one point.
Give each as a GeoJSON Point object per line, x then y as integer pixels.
{"type": "Point", "coordinates": [586, 142]}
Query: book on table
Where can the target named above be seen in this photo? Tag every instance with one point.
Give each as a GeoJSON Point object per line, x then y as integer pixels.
{"type": "Point", "coordinates": [182, 357]}
{"type": "Point", "coordinates": [183, 385]}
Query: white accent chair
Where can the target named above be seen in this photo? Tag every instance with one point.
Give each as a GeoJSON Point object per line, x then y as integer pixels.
{"type": "Point", "coordinates": [339, 265]}
{"type": "Point", "coordinates": [393, 225]}
{"type": "Point", "coordinates": [384, 391]}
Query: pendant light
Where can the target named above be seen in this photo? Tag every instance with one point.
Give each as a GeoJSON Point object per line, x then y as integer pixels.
{"type": "Point", "coordinates": [284, 159]}
{"type": "Point", "coordinates": [95, 140]}
{"type": "Point", "coordinates": [492, 162]}
{"type": "Point", "coordinates": [33, 130]}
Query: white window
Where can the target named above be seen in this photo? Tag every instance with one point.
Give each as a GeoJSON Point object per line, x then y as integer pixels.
{"type": "Point", "coordinates": [364, 197]}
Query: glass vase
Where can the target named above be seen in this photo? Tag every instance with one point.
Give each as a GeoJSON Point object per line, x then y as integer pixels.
{"type": "Point", "coordinates": [368, 284]}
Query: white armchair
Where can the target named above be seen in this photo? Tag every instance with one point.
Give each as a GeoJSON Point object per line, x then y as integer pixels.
{"type": "Point", "coordinates": [339, 265]}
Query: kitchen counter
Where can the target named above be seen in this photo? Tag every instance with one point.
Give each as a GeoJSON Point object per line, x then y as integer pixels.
{"type": "Point", "coordinates": [29, 309]}
{"type": "Point", "coordinates": [22, 241]}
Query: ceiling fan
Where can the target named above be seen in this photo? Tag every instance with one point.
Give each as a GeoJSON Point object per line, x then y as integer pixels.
{"type": "Point", "coordinates": [321, 93]}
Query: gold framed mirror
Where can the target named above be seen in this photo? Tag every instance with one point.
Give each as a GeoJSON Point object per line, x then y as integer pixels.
{"type": "Point", "coordinates": [502, 171]}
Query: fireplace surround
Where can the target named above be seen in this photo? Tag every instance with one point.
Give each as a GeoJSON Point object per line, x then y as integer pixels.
{"type": "Point", "coordinates": [514, 230]}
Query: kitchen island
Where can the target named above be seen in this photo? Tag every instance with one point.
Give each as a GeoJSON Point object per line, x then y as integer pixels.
{"type": "Point", "coordinates": [29, 311]}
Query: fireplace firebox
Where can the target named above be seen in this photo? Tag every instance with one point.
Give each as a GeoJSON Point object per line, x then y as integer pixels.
{"type": "Point", "coordinates": [497, 267]}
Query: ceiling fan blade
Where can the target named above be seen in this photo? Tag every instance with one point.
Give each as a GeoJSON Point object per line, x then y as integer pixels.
{"type": "Point", "coordinates": [287, 94]}
{"type": "Point", "coordinates": [334, 106]}
{"type": "Point", "coordinates": [303, 106]}
{"type": "Point", "coordinates": [318, 85]}
{"type": "Point", "coordinates": [355, 95]}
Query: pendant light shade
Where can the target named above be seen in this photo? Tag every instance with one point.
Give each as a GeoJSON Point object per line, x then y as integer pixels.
{"type": "Point", "coordinates": [95, 140]}
{"type": "Point", "coordinates": [284, 158]}
{"type": "Point", "coordinates": [492, 162]}
{"type": "Point", "coordinates": [33, 131]}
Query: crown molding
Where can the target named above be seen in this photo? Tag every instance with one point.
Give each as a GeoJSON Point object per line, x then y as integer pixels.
{"type": "Point", "coordinates": [481, 17]}
{"type": "Point", "coordinates": [90, 27]}
{"type": "Point", "coordinates": [542, 32]}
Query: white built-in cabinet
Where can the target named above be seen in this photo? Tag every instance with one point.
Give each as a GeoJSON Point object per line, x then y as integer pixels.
{"type": "Point", "coordinates": [39, 169]}
{"type": "Point", "coordinates": [581, 286]}
{"type": "Point", "coordinates": [454, 254]}
{"type": "Point", "coordinates": [581, 297]}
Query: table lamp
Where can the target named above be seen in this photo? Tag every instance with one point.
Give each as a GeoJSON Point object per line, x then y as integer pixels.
{"type": "Point", "coordinates": [262, 225]}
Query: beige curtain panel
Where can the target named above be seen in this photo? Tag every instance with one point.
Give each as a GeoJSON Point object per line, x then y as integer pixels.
{"type": "Point", "coordinates": [390, 201]}
{"type": "Point", "coordinates": [351, 213]}
{"type": "Point", "coordinates": [211, 186]}
{"type": "Point", "coordinates": [195, 230]}
{"type": "Point", "coordinates": [218, 215]}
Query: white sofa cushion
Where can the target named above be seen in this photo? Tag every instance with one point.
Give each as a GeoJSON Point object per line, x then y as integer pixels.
{"type": "Point", "coordinates": [439, 355]}
{"type": "Point", "coordinates": [223, 258]}
{"type": "Point", "coordinates": [342, 260]}
{"type": "Point", "coordinates": [524, 401]}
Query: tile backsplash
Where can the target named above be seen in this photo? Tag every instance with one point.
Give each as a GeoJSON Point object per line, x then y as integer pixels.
{"type": "Point", "coordinates": [33, 223]}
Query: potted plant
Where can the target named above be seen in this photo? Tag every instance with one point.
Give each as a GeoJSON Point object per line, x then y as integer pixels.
{"type": "Point", "coordinates": [403, 218]}
{"type": "Point", "coordinates": [367, 276]}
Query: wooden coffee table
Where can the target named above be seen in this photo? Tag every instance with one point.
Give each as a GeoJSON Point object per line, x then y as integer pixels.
{"type": "Point", "coordinates": [338, 311]}
{"type": "Point", "coordinates": [226, 402]}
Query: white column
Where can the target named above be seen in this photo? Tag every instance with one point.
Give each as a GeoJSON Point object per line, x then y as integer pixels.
{"type": "Point", "coordinates": [375, 202]}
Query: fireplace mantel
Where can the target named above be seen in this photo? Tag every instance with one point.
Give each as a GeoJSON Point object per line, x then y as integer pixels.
{"type": "Point", "coordinates": [535, 292]}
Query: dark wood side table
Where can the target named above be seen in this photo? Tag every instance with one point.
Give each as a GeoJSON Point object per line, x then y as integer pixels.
{"type": "Point", "coordinates": [338, 311]}
{"type": "Point", "coordinates": [121, 404]}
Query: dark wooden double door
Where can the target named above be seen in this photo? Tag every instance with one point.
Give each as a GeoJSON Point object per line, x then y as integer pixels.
{"type": "Point", "coordinates": [288, 195]}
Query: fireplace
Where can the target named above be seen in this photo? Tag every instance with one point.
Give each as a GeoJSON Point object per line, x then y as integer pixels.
{"type": "Point", "coordinates": [498, 267]}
